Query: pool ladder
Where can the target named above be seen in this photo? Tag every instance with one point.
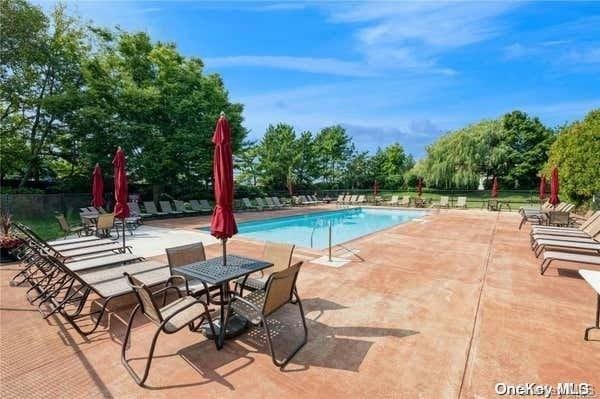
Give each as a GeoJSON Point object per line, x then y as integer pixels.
{"type": "Point", "coordinates": [312, 234]}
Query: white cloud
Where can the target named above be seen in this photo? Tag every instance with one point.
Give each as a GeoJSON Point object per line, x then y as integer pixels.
{"type": "Point", "coordinates": [330, 66]}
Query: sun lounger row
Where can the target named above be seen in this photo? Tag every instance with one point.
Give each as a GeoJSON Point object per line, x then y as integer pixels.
{"type": "Point", "coordinates": [548, 214]}
{"type": "Point", "coordinates": [569, 244]}
{"type": "Point", "coordinates": [350, 200]}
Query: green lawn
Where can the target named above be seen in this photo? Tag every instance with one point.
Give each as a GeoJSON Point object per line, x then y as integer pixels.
{"type": "Point", "coordinates": [475, 199]}
{"type": "Point", "coordinates": [47, 227]}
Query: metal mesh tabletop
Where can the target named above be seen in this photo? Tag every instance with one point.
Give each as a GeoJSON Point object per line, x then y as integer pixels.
{"type": "Point", "coordinates": [212, 270]}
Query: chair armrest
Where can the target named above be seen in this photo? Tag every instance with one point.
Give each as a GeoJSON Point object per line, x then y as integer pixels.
{"type": "Point", "coordinates": [165, 289]}
{"type": "Point", "coordinates": [179, 277]}
{"type": "Point", "coordinates": [241, 299]}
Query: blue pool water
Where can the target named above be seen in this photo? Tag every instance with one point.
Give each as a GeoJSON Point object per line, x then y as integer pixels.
{"type": "Point", "coordinates": [347, 224]}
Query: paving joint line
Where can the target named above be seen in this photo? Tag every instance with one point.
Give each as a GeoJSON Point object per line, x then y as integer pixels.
{"type": "Point", "coordinates": [475, 320]}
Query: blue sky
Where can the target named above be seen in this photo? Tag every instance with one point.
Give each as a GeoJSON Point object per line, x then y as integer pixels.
{"type": "Point", "coordinates": [388, 71]}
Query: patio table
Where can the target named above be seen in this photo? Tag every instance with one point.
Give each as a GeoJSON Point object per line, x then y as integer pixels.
{"type": "Point", "coordinates": [593, 279]}
{"type": "Point", "coordinates": [212, 271]}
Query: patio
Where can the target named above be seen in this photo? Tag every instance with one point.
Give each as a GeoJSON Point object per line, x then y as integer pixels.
{"type": "Point", "coordinates": [444, 307]}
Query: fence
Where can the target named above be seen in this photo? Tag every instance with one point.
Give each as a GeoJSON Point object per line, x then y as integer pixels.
{"type": "Point", "coordinates": [25, 206]}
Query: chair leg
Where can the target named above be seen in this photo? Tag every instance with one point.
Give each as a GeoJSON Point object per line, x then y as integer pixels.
{"type": "Point", "coordinates": [544, 265]}
{"type": "Point", "coordinates": [136, 378]}
{"type": "Point", "coordinates": [285, 361]}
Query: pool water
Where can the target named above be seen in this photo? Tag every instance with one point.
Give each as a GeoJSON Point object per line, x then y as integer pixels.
{"type": "Point", "coordinates": [312, 230]}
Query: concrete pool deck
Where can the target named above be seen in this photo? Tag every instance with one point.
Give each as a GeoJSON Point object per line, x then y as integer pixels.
{"type": "Point", "coordinates": [441, 308]}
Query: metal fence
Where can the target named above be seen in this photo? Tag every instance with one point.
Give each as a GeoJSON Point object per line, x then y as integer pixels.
{"type": "Point", "coordinates": [25, 206]}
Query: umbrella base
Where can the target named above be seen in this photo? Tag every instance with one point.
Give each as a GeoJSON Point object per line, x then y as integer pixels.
{"type": "Point", "coordinates": [235, 326]}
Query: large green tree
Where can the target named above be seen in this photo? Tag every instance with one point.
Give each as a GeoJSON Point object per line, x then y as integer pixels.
{"type": "Point", "coordinates": [40, 75]}
{"type": "Point", "coordinates": [576, 152]}
{"type": "Point", "coordinates": [333, 148]}
{"type": "Point", "coordinates": [390, 164]}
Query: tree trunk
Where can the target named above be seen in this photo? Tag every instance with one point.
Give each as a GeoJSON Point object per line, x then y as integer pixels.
{"type": "Point", "coordinates": [156, 191]}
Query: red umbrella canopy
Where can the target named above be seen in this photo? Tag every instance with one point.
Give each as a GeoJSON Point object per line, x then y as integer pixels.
{"type": "Point", "coordinates": [121, 210]}
{"type": "Point", "coordinates": [495, 188]}
{"type": "Point", "coordinates": [554, 187]}
{"type": "Point", "coordinates": [542, 187]}
{"type": "Point", "coordinates": [420, 186]}
{"type": "Point", "coordinates": [97, 187]}
{"type": "Point", "coordinates": [223, 224]}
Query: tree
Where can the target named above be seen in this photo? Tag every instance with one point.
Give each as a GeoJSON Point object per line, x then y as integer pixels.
{"type": "Point", "coordinates": [278, 156]}
{"type": "Point", "coordinates": [39, 77]}
{"type": "Point", "coordinates": [390, 164]}
{"type": "Point", "coordinates": [247, 164]}
{"type": "Point", "coordinates": [359, 171]}
{"type": "Point", "coordinates": [576, 152]}
{"type": "Point", "coordinates": [333, 147]}
{"type": "Point", "coordinates": [529, 141]}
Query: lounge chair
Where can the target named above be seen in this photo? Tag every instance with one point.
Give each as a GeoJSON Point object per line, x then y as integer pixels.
{"type": "Point", "coordinates": [586, 245]}
{"type": "Point", "coordinates": [280, 255]}
{"type": "Point", "coordinates": [587, 233]}
{"type": "Point", "coordinates": [405, 201]}
{"type": "Point", "coordinates": [442, 203]}
{"type": "Point", "coordinates": [95, 263]}
{"type": "Point", "coordinates": [278, 203]}
{"type": "Point", "coordinates": [550, 256]}
{"type": "Point", "coordinates": [566, 230]}
{"type": "Point", "coordinates": [261, 204]}
{"type": "Point", "coordinates": [197, 207]}
{"type": "Point", "coordinates": [180, 207]}
{"type": "Point", "coordinates": [393, 201]}
{"type": "Point", "coordinates": [181, 313]}
{"type": "Point", "coordinates": [135, 210]}
{"type": "Point", "coordinates": [258, 307]}
{"type": "Point", "coordinates": [270, 203]}
{"type": "Point", "coordinates": [150, 207]}
{"type": "Point", "coordinates": [461, 202]}
{"type": "Point", "coordinates": [361, 199]}
{"type": "Point", "coordinates": [340, 200]}
{"type": "Point", "coordinates": [352, 200]}
{"type": "Point", "coordinates": [249, 205]}
{"type": "Point", "coordinates": [205, 205]}
{"type": "Point", "coordinates": [306, 201]}
{"type": "Point", "coordinates": [165, 206]}
{"type": "Point", "coordinates": [66, 228]}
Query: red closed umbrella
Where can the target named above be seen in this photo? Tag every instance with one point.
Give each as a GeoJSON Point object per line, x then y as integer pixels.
{"type": "Point", "coordinates": [97, 187]}
{"type": "Point", "coordinates": [223, 224]}
{"type": "Point", "coordinates": [554, 188]}
{"type": "Point", "coordinates": [495, 188]}
{"type": "Point", "coordinates": [420, 186]}
{"type": "Point", "coordinates": [542, 187]}
{"type": "Point", "coordinates": [121, 210]}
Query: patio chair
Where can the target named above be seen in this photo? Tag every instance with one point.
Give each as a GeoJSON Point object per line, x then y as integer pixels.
{"type": "Point", "coordinates": [165, 206]}
{"type": "Point", "coordinates": [93, 209]}
{"type": "Point", "coordinates": [442, 203]}
{"type": "Point", "coordinates": [185, 255]}
{"type": "Point", "coordinates": [66, 228]}
{"type": "Point", "coordinates": [104, 224]}
{"type": "Point", "coordinates": [405, 201]}
{"type": "Point", "coordinates": [461, 202]}
{"type": "Point", "coordinates": [180, 207]}
{"type": "Point", "coordinates": [171, 318]}
{"type": "Point", "coordinates": [340, 200]}
{"type": "Point", "coordinates": [493, 205]}
{"type": "Point", "coordinates": [280, 255]}
{"type": "Point", "coordinates": [197, 207]}
{"type": "Point", "coordinates": [258, 307]}
{"type": "Point", "coordinates": [150, 207]}
{"type": "Point", "coordinates": [558, 218]}
{"type": "Point", "coordinates": [101, 210]}
{"type": "Point", "coordinates": [134, 207]}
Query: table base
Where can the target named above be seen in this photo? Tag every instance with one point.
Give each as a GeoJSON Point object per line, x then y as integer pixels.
{"type": "Point", "coordinates": [235, 326]}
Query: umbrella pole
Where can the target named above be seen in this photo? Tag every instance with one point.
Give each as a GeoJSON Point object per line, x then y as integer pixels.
{"type": "Point", "coordinates": [123, 235]}
{"type": "Point", "coordinates": [224, 242]}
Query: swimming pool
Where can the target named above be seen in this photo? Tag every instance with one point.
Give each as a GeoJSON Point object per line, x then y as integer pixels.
{"type": "Point", "coordinates": [311, 230]}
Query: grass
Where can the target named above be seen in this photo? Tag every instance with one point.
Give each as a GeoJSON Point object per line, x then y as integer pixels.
{"type": "Point", "coordinates": [475, 199]}
{"type": "Point", "coordinates": [47, 227]}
